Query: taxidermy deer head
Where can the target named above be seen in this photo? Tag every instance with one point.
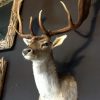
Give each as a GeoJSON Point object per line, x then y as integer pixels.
{"type": "Point", "coordinates": [39, 51]}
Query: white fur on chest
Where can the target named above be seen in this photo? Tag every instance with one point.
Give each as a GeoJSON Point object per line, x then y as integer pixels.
{"type": "Point", "coordinates": [46, 81]}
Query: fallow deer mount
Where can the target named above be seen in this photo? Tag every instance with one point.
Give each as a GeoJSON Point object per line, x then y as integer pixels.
{"type": "Point", "coordinates": [39, 51]}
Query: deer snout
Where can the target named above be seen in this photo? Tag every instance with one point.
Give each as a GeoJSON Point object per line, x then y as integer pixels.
{"type": "Point", "coordinates": [26, 51]}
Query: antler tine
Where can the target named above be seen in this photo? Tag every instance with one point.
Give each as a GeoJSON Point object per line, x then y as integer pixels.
{"type": "Point", "coordinates": [70, 22]}
{"type": "Point", "coordinates": [20, 22]}
{"type": "Point", "coordinates": [43, 29]}
{"type": "Point", "coordinates": [30, 26]}
{"type": "Point", "coordinates": [83, 10]}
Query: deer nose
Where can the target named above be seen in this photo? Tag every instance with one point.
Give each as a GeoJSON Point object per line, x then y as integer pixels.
{"type": "Point", "coordinates": [26, 51]}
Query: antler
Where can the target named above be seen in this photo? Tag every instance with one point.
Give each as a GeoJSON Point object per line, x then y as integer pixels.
{"type": "Point", "coordinates": [20, 32]}
{"type": "Point", "coordinates": [83, 11]}
{"type": "Point", "coordinates": [41, 24]}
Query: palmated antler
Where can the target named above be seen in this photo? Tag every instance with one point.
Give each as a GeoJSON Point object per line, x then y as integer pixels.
{"type": "Point", "coordinates": [83, 11]}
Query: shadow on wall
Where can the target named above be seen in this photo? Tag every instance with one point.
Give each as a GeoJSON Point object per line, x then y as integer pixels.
{"type": "Point", "coordinates": [76, 57]}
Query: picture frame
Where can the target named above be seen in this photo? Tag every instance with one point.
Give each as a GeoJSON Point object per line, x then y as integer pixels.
{"type": "Point", "coordinates": [8, 41]}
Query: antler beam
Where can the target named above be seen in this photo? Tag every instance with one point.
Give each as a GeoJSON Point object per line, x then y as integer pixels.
{"type": "Point", "coordinates": [20, 31]}
{"type": "Point", "coordinates": [83, 11]}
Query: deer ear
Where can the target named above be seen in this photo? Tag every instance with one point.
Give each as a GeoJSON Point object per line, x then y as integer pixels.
{"type": "Point", "coordinates": [58, 41]}
{"type": "Point", "coordinates": [27, 41]}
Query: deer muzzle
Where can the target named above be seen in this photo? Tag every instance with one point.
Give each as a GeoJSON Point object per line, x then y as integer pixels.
{"type": "Point", "coordinates": [26, 51]}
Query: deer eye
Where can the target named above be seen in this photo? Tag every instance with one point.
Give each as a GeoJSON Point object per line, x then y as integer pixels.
{"type": "Point", "coordinates": [45, 44]}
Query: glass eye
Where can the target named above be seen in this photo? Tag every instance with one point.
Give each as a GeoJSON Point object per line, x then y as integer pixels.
{"type": "Point", "coordinates": [45, 44]}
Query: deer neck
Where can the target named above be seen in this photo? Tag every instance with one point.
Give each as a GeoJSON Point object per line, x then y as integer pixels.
{"type": "Point", "coordinates": [45, 76]}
